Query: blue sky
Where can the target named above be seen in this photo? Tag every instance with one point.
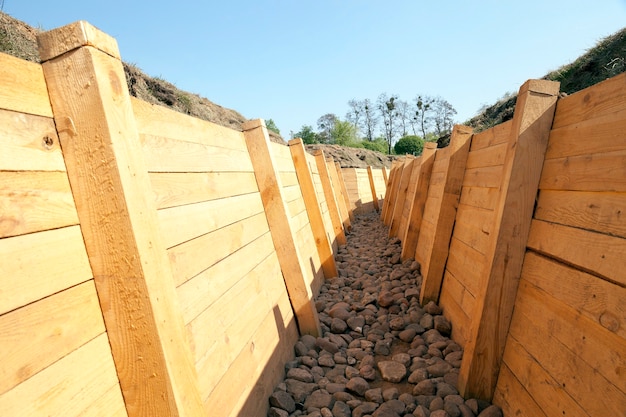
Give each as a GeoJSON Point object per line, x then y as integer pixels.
{"type": "Point", "coordinates": [294, 61]}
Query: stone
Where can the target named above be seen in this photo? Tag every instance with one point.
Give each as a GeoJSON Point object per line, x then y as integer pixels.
{"type": "Point", "coordinates": [439, 413]}
{"type": "Point", "coordinates": [300, 374]}
{"type": "Point", "coordinates": [364, 409]}
{"type": "Point", "coordinates": [392, 371]}
{"type": "Point", "coordinates": [391, 394]}
{"type": "Point", "coordinates": [396, 323]}
{"type": "Point", "coordinates": [326, 345]}
{"type": "Point", "coordinates": [436, 404]}
{"type": "Point", "coordinates": [341, 409]}
{"type": "Point", "coordinates": [444, 390]}
{"type": "Point", "coordinates": [425, 387]}
{"type": "Point", "coordinates": [338, 326]}
{"type": "Point", "coordinates": [418, 375]}
{"type": "Point", "coordinates": [452, 409]}
{"type": "Point", "coordinates": [357, 385]}
{"type": "Point", "coordinates": [277, 412]}
{"type": "Point", "coordinates": [356, 323]}
{"type": "Point", "coordinates": [421, 411]}
{"type": "Point", "coordinates": [491, 411]}
{"type": "Point", "coordinates": [326, 360]}
{"type": "Point", "coordinates": [299, 390]}
{"type": "Point", "coordinates": [282, 400]}
{"type": "Point", "coordinates": [383, 347]}
{"type": "Point", "coordinates": [319, 399]}
{"type": "Point", "coordinates": [432, 308]}
{"type": "Point", "coordinates": [385, 299]}
{"type": "Point", "coordinates": [367, 372]}
{"type": "Point", "coordinates": [374, 395]}
{"type": "Point", "coordinates": [440, 368]}
{"type": "Point", "coordinates": [340, 311]}
{"type": "Point", "coordinates": [300, 348]}
{"type": "Point", "coordinates": [308, 340]}
{"type": "Point", "coordinates": [407, 399]}
{"type": "Point", "coordinates": [326, 412]}
{"type": "Point", "coordinates": [407, 335]}
{"type": "Point", "coordinates": [390, 408]}
{"type": "Point", "coordinates": [443, 325]}
{"type": "Point", "coordinates": [402, 358]}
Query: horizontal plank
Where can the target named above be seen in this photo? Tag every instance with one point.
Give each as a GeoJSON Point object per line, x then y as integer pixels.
{"type": "Point", "coordinates": [480, 197]}
{"type": "Point", "coordinates": [600, 135]}
{"type": "Point", "coordinates": [487, 157]}
{"type": "Point", "coordinates": [288, 179]}
{"type": "Point", "coordinates": [62, 323]}
{"type": "Point", "coordinates": [492, 136]}
{"type": "Point", "coordinates": [486, 177]}
{"type": "Point", "coordinates": [176, 189]}
{"type": "Point", "coordinates": [300, 221]}
{"type": "Point", "coordinates": [473, 227]}
{"type": "Point", "coordinates": [601, 350]}
{"type": "Point", "coordinates": [291, 193]}
{"type": "Point", "coordinates": [456, 288]}
{"type": "Point", "coordinates": [194, 256]}
{"type": "Point", "coordinates": [33, 201]}
{"type": "Point", "coordinates": [468, 264]}
{"type": "Point", "coordinates": [200, 292]}
{"type": "Point", "coordinates": [454, 312]}
{"type": "Point", "coordinates": [599, 254]}
{"type": "Point", "coordinates": [597, 211]}
{"type": "Point", "coordinates": [72, 386]}
{"type": "Point", "coordinates": [156, 120]}
{"type": "Point", "coordinates": [597, 172]}
{"type": "Point", "coordinates": [171, 155]}
{"type": "Point", "coordinates": [513, 398]}
{"type": "Point", "coordinates": [23, 87]}
{"type": "Point", "coordinates": [542, 333]}
{"type": "Point", "coordinates": [29, 143]}
{"type": "Point", "coordinates": [183, 223]}
{"type": "Point", "coordinates": [600, 301]}
{"type": "Point", "coordinates": [296, 207]}
{"type": "Point", "coordinates": [281, 151]}
{"type": "Point", "coordinates": [595, 101]}
{"type": "Point", "coordinates": [39, 264]}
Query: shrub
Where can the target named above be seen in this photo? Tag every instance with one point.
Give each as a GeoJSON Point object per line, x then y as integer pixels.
{"type": "Point", "coordinates": [412, 145]}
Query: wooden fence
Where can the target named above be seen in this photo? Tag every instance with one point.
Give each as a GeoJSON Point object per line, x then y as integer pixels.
{"type": "Point", "coordinates": [521, 239]}
{"type": "Point", "coordinates": [153, 264]}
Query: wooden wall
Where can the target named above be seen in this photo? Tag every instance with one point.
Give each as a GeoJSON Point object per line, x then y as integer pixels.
{"type": "Point", "coordinates": [359, 188]}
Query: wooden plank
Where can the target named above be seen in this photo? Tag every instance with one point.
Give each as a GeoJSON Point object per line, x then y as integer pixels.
{"type": "Point", "coordinates": [331, 200]}
{"type": "Point", "coordinates": [603, 134]}
{"type": "Point", "coordinates": [29, 143]}
{"type": "Point", "coordinates": [309, 194]}
{"type": "Point", "coordinates": [534, 112]}
{"type": "Point", "coordinates": [596, 211]}
{"type": "Point", "coordinates": [598, 300]}
{"type": "Point", "coordinates": [172, 155]}
{"type": "Point", "coordinates": [339, 196]}
{"type": "Point", "coordinates": [542, 337]}
{"type": "Point", "coordinates": [598, 172]}
{"type": "Point", "coordinates": [487, 157]}
{"type": "Point", "coordinates": [183, 223]}
{"type": "Point", "coordinates": [291, 261]}
{"type": "Point", "coordinates": [175, 189]}
{"type": "Point", "coordinates": [513, 398]}
{"type": "Point", "coordinates": [392, 192]}
{"type": "Point", "coordinates": [492, 136]}
{"type": "Point", "coordinates": [370, 175]}
{"type": "Point", "coordinates": [403, 188]}
{"type": "Point", "coordinates": [455, 313]}
{"type": "Point", "coordinates": [23, 87]}
{"type": "Point", "coordinates": [39, 264]}
{"type": "Point", "coordinates": [344, 191]}
{"type": "Point", "coordinates": [200, 292]}
{"type": "Point", "coordinates": [72, 386]}
{"type": "Point", "coordinates": [598, 351]}
{"type": "Point", "coordinates": [62, 323]}
{"type": "Point", "coordinates": [100, 143]}
{"type": "Point", "coordinates": [466, 263]}
{"type": "Point", "coordinates": [596, 253]}
{"type": "Point", "coordinates": [488, 177]}
{"type": "Point", "coordinates": [409, 197]}
{"type": "Point", "coordinates": [433, 259]}
{"type": "Point", "coordinates": [473, 227]}
{"type": "Point", "coordinates": [480, 197]}
{"type": "Point", "coordinates": [388, 182]}
{"type": "Point", "coordinates": [160, 121]}
{"type": "Point", "coordinates": [192, 257]}
{"type": "Point", "coordinates": [597, 100]}
{"type": "Point", "coordinates": [416, 212]}
{"type": "Point", "coordinates": [32, 201]}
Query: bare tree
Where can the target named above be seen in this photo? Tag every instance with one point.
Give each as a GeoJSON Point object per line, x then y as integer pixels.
{"type": "Point", "coordinates": [422, 116]}
{"type": "Point", "coordinates": [325, 124]}
{"type": "Point", "coordinates": [387, 108]}
{"type": "Point", "coordinates": [404, 116]}
{"type": "Point", "coordinates": [355, 114]}
{"type": "Point", "coordinates": [370, 119]}
{"type": "Point", "coordinates": [443, 116]}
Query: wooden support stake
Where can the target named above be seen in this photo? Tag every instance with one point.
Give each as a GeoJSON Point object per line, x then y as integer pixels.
{"type": "Point", "coordinates": [432, 251]}
{"type": "Point", "coordinates": [373, 188]}
{"type": "Point", "coordinates": [344, 191]}
{"type": "Point", "coordinates": [384, 170]}
{"type": "Point", "coordinates": [289, 257]}
{"type": "Point", "coordinates": [330, 195]}
{"type": "Point", "coordinates": [409, 241]}
{"type": "Point", "coordinates": [305, 178]}
{"type": "Point", "coordinates": [532, 121]}
{"type": "Point", "coordinates": [341, 201]}
{"type": "Point", "coordinates": [388, 182]}
{"type": "Point", "coordinates": [118, 220]}
{"type": "Point", "coordinates": [403, 188]}
{"type": "Point", "coordinates": [392, 191]}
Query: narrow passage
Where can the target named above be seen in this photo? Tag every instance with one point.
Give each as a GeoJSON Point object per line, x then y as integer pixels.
{"type": "Point", "coordinates": [381, 354]}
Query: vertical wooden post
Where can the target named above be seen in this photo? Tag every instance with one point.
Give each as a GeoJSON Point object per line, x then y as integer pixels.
{"type": "Point", "coordinates": [392, 192]}
{"type": "Point", "coordinates": [403, 187]}
{"type": "Point", "coordinates": [341, 201]}
{"type": "Point", "coordinates": [416, 166]}
{"type": "Point", "coordinates": [270, 187]}
{"type": "Point", "coordinates": [118, 219]}
{"type": "Point", "coordinates": [388, 182]}
{"type": "Point", "coordinates": [384, 170]}
{"type": "Point", "coordinates": [432, 251]}
{"type": "Point", "coordinates": [324, 248]}
{"type": "Point", "coordinates": [344, 191]}
{"type": "Point", "coordinates": [409, 241]}
{"type": "Point", "coordinates": [370, 175]}
{"type": "Point", "coordinates": [534, 112]}
{"type": "Point", "coordinates": [331, 200]}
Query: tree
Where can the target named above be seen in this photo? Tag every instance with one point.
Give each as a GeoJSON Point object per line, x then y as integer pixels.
{"type": "Point", "coordinates": [343, 133]}
{"type": "Point", "coordinates": [443, 116]}
{"type": "Point", "coordinates": [422, 117]}
{"type": "Point", "coordinates": [387, 108]}
{"type": "Point", "coordinates": [412, 145]}
{"type": "Point", "coordinates": [404, 116]}
{"type": "Point", "coordinates": [325, 124]}
{"type": "Point", "coordinates": [378, 145]}
{"type": "Point", "coordinates": [307, 134]}
{"type": "Point", "coordinates": [355, 114]}
{"type": "Point", "coordinates": [272, 126]}
{"type": "Point", "coordinates": [370, 119]}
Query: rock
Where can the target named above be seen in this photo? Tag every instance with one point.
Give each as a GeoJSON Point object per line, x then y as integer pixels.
{"type": "Point", "coordinates": [326, 345]}
{"type": "Point", "coordinates": [364, 409]}
{"type": "Point", "coordinates": [402, 358]}
{"type": "Point", "coordinates": [452, 409]}
{"type": "Point", "coordinates": [356, 323]}
{"type": "Point", "coordinates": [300, 348]}
{"type": "Point", "coordinates": [390, 408]}
{"type": "Point", "coordinates": [340, 311]}
{"type": "Point", "coordinates": [326, 360]}
{"type": "Point", "coordinates": [391, 394]}
{"type": "Point", "coordinates": [299, 390]}
{"type": "Point", "coordinates": [277, 412]}
{"type": "Point", "coordinates": [439, 413]}
{"type": "Point", "coordinates": [491, 411]}
{"type": "Point", "coordinates": [392, 371]}
{"type": "Point", "coordinates": [406, 335]}
{"type": "Point", "coordinates": [383, 347]}
{"type": "Point", "coordinates": [319, 399]}
{"type": "Point", "coordinates": [444, 390]}
{"type": "Point", "coordinates": [282, 400]}
{"type": "Point", "coordinates": [357, 385]}
{"type": "Point", "coordinates": [440, 368]}
{"type": "Point", "coordinates": [341, 409]}
{"type": "Point", "coordinates": [338, 326]}
{"type": "Point", "coordinates": [432, 336]}
{"type": "Point", "coordinates": [374, 395]}
{"type": "Point", "coordinates": [385, 299]}
{"type": "Point", "coordinates": [425, 387]}
{"type": "Point", "coordinates": [418, 375]}
{"type": "Point", "coordinates": [396, 323]}
{"type": "Point", "coordinates": [309, 341]}
{"type": "Point", "coordinates": [436, 404]}
{"type": "Point", "coordinates": [421, 411]}
{"type": "Point", "coordinates": [432, 308]}
{"type": "Point", "coordinates": [367, 372]}
{"type": "Point", "coordinates": [300, 374]}
{"type": "Point", "coordinates": [443, 325]}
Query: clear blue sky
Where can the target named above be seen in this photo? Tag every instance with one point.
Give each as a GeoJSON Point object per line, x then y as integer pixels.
{"type": "Point", "coordinates": [293, 61]}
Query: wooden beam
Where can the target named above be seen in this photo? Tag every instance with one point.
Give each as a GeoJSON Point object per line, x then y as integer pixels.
{"type": "Point", "coordinates": [309, 194]}
{"type": "Point", "coordinates": [330, 195]}
{"type": "Point", "coordinates": [532, 121]}
{"type": "Point", "coordinates": [339, 197]}
{"type": "Point", "coordinates": [370, 175]}
{"type": "Point", "coordinates": [409, 241]}
{"type": "Point", "coordinates": [392, 192]}
{"type": "Point", "coordinates": [432, 250]}
{"type": "Point", "coordinates": [113, 197]}
{"type": "Point", "coordinates": [403, 188]}
{"type": "Point", "coordinates": [289, 257]}
{"type": "Point", "coordinates": [388, 182]}
{"type": "Point", "coordinates": [344, 191]}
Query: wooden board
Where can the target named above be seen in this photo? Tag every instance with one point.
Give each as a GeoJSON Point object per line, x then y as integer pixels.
{"type": "Point", "coordinates": [600, 254]}
{"type": "Point", "coordinates": [23, 87]}
{"type": "Point", "coordinates": [492, 136]}
{"type": "Point", "coordinates": [488, 177]}
{"type": "Point", "coordinates": [480, 197]}
{"type": "Point", "coordinates": [29, 143]}
{"type": "Point", "coordinates": [513, 398]}
{"type": "Point", "coordinates": [473, 227]}
{"type": "Point", "coordinates": [467, 264]}
{"type": "Point", "coordinates": [39, 264]}
{"type": "Point", "coordinates": [32, 201]}
{"type": "Point", "coordinates": [487, 157]}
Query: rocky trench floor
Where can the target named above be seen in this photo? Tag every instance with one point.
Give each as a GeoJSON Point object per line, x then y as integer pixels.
{"type": "Point", "coordinates": [381, 353]}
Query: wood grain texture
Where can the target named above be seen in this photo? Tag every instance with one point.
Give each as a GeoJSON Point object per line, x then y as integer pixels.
{"type": "Point", "coordinates": [331, 199]}
{"type": "Point", "coordinates": [339, 193]}
{"type": "Point", "coordinates": [403, 189]}
{"type": "Point", "coordinates": [23, 87]}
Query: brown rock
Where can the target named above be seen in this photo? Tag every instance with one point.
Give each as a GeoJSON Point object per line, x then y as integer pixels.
{"type": "Point", "coordinates": [392, 371]}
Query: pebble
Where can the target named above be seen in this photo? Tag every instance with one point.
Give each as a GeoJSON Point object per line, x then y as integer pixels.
{"type": "Point", "coordinates": [381, 353]}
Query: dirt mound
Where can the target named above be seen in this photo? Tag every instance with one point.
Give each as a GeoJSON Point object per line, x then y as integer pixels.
{"type": "Point", "coordinates": [354, 157]}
